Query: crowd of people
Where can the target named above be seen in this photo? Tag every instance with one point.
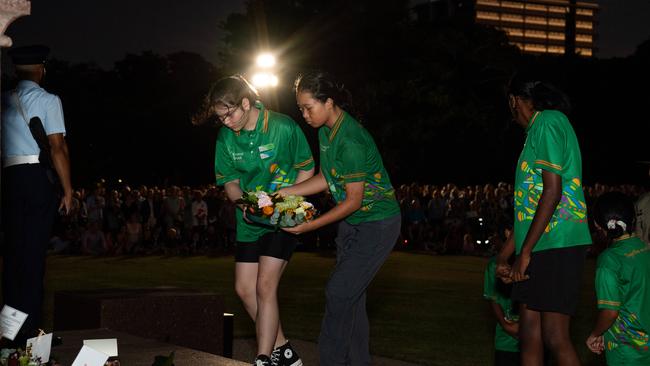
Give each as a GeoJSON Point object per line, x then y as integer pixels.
{"type": "Point", "coordinates": [471, 220]}
{"type": "Point", "coordinates": [438, 219]}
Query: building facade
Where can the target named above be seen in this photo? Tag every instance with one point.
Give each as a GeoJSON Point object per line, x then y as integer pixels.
{"type": "Point", "coordinates": [543, 26]}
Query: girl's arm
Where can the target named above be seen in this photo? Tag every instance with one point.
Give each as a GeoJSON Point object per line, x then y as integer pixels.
{"type": "Point", "coordinates": [313, 185]}
{"type": "Point", "coordinates": [351, 203]}
{"type": "Point", "coordinates": [605, 320]}
{"type": "Point", "coordinates": [303, 175]}
{"type": "Point", "coordinates": [511, 328]}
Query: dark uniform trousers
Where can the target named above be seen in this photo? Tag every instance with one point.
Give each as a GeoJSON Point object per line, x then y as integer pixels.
{"type": "Point", "coordinates": [28, 212]}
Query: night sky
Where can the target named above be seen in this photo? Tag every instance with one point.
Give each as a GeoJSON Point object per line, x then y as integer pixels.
{"type": "Point", "coordinates": [103, 31]}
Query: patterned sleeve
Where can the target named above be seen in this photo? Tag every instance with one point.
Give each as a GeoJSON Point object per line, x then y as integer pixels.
{"type": "Point", "coordinates": [353, 168]}
{"type": "Point", "coordinates": [224, 167]}
{"type": "Point", "coordinates": [608, 291]}
{"type": "Point", "coordinates": [302, 157]}
{"type": "Point", "coordinates": [550, 146]}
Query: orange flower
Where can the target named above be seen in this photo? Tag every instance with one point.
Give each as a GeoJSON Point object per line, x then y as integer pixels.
{"type": "Point", "coordinates": [308, 215]}
{"type": "Point", "coordinates": [267, 210]}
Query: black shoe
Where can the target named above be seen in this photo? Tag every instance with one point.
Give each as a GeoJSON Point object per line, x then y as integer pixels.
{"type": "Point", "coordinates": [262, 360]}
{"type": "Point", "coordinates": [57, 341]}
{"type": "Point", "coordinates": [285, 356]}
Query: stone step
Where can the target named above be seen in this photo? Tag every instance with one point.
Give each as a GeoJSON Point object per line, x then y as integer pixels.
{"type": "Point", "coordinates": [136, 351]}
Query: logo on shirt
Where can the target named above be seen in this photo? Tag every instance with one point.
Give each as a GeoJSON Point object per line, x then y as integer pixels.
{"type": "Point", "coordinates": [324, 148]}
{"type": "Point", "coordinates": [267, 151]}
{"type": "Point", "coordinates": [237, 156]}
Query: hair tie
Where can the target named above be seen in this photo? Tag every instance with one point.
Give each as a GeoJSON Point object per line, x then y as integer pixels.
{"type": "Point", "coordinates": [611, 224]}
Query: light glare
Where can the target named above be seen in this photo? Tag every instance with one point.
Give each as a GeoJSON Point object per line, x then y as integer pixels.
{"type": "Point", "coordinates": [265, 60]}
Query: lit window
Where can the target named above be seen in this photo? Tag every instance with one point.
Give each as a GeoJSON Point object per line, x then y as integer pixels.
{"type": "Point", "coordinates": [584, 25]}
{"type": "Point", "coordinates": [587, 12]}
{"type": "Point", "coordinates": [512, 4]}
{"type": "Point", "coordinates": [535, 48]}
{"type": "Point", "coordinates": [584, 51]}
{"type": "Point", "coordinates": [557, 9]}
{"type": "Point", "coordinates": [556, 22]}
{"type": "Point", "coordinates": [513, 32]}
{"type": "Point", "coordinates": [556, 49]}
{"type": "Point", "coordinates": [584, 38]}
{"type": "Point", "coordinates": [487, 2]}
{"type": "Point", "coordinates": [487, 15]}
{"type": "Point", "coordinates": [556, 35]}
{"type": "Point", "coordinates": [512, 18]}
{"type": "Point", "coordinates": [535, 7]}
{"type": "Point", "coordinates": [535, 34]}
{"type": "Point", "coordinates": [535, 20]}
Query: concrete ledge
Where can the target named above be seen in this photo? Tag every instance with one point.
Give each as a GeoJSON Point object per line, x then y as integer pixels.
{"type": "Point", "coordinates": [136, 351]}
{"type": "Point", "coordinates": [188, 318]}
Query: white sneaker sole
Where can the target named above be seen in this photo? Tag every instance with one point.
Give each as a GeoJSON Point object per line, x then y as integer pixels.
{"type": "Point", "coordinates": [297, 363]}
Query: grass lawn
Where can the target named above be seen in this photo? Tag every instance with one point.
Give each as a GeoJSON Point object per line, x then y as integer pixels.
{"type": "Point", "coordinates": [423, 309]}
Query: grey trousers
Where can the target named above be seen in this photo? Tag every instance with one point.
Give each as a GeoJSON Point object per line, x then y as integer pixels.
{"type": "Point", "coordinates": [360, 252]}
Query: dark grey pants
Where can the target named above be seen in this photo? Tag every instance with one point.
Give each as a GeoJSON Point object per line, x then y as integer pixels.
{"type": "Point", "coordinates": [360, 252]}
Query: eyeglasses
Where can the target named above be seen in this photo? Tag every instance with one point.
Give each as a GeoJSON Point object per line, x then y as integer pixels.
{"type": "Point", "coordinates": [230, 111]}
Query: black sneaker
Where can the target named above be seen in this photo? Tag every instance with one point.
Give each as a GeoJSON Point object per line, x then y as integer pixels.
{"type": "Point", "coordinates": [262, 360]}
{"type": "Point", "coordinates": [285, 356]}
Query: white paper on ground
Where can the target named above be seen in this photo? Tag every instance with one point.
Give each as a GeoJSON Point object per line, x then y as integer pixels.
{"type": "Point", "coordinates": [90, 357]}
{"type": "Point", "coordinates": [41, 347]}
{"type": "Point", "coordinates": [107, 346]}
{"type": "Point", "coordinates": [11, 320]}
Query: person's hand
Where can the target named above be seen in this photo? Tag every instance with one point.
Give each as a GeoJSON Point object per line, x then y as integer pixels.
{"type": "Point", "coordinates": [503, 271]}
{"type": "Point", "coordinates": [512, 328]}
{"type": "Point", "coordinates": [66, 204]}
{"type": "Point", "coordinates": [282, 192]}
{"type": "Point", "coordinates": [518, 272]}
{"type": "Point", "coordinates": [298, 229]}
{"type": "Point", "coordinates": [596, 344]}
{"type": "Point", "coordinates": [244, 209]}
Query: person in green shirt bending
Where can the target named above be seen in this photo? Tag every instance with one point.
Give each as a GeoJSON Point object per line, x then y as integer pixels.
{"type": "Point", "coordinates": [551, 234]}
{"type": "Point", "coordinates": [352, 170]}
{"type": "Point", "coordinates": [622, 286]}
{"type": "Point", "coordinates": [258, 150]}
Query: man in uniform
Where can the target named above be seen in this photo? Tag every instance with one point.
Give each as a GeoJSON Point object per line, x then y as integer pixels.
{"type": "Point", "coordinates": [29, 199]}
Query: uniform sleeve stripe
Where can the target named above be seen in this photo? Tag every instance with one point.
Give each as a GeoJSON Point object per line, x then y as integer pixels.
{"type": "Point", "coordinates": [550, 165]}
{"type": "Point", "coordinates": [354, 175]}
{"type": "Point", "coordinates": [219, 176]}
{"type": "Point", "coordinates": [607, 302]}
{"type": "Point", "coordinates": [304, 163]}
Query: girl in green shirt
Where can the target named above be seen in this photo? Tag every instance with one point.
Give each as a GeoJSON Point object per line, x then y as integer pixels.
{"type": "Point", "coordinates": [258, 150]}
{"type": "Point", "coordinates": [369, 218]}
{"type": "Point", "coordinates": [551, 233]}
{"type": "Point", "coordinates": [622, 286]}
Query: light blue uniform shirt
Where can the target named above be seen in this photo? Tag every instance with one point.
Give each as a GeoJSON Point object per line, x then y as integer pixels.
{"type": "Point", "coordinates": [17, 140]}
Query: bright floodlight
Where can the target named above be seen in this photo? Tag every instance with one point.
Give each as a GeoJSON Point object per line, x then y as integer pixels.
{"type": "Point", "coordinates": [265, 60]}
{"type": "Point", "coordinates": [264, 79]}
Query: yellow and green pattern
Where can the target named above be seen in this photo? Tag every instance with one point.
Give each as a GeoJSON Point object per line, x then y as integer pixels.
{"type": "Point", "coordinates": [551, 145]}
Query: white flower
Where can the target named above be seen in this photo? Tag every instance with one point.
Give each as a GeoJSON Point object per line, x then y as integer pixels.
{"type": "Point", "coordinates": [299, 211]}
{"type": "Point", "coordinates": [306, 205]}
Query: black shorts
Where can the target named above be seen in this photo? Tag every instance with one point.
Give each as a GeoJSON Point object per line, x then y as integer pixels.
{"type": "Point", "coordinates": [505, 358]}
{"type": "Point", "coordinates": [555, 279]}
{"type": "Point", "coordinates": [278, 244]}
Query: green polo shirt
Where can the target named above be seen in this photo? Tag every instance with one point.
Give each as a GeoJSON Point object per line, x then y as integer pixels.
{"type": "Point", "coordinates": [502, 340]}
{"type": "Point", "coordinates": [266, 158]}
{"type": "Point", "coordinates": [623, 284]}
{"type": "Point", "coordinates": [348, 154]}
{"type": "Point", "coordinates": [551, 145]}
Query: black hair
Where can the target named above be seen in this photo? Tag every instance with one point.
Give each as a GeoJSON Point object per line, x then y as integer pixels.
{"type": "Point", "coordinates": [615, 206]}
{"type": "Point", "coordinates": [228, 91]}
{"type": "Point", "coordinates": [542, 94]}
{"type": "Point", "coordinates": [323, 86]}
